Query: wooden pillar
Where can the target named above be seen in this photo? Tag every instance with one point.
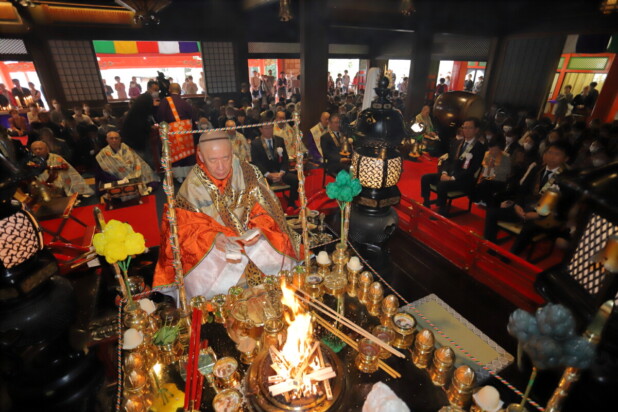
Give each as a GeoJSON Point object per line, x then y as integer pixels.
{"type": "Point", "coordinates": [607, 102]}
{"type": "Point", "coordinates": [313, 61]}
{"type": "Point", "coordinates": [241, 61]}
{"type": "Point", "coordinates": [494, 65]}
{"type": "Point", "coordinates": [420, 60]}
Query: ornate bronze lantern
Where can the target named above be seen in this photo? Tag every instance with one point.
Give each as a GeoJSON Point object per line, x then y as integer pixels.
{"type": "Point", "coordinates": [377, 163]}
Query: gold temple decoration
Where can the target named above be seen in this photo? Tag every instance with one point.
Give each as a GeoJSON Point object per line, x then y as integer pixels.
{"type": "Point", "coordinates": [571, 374]}
{"type": "Point", "coordinates": [171, 212]}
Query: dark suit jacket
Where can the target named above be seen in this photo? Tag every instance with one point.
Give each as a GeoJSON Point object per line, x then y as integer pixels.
{"type": "Point", "coordinates": [331, 151]}
{"type": "Point", "coordinates": [136, 126]}
{"type": "Point", "coordinates": [455, 166]}
{"type": "Point", "coordinates": [260, 158]}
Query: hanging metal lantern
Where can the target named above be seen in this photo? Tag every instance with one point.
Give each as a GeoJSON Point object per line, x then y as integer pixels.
{"type": "Point", "coordinates": [285, 14]}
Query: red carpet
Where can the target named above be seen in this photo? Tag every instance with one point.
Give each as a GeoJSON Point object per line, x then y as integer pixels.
{"type": "Point", "coordinates": [142, 217]}
{"type": "Point", "coordinates": [410, 186]}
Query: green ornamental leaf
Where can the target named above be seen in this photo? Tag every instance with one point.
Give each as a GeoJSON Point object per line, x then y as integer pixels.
{"type": "Point", "coordinates": [332, 190]}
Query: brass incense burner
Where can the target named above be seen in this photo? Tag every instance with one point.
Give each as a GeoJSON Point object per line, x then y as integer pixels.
{"type": "Point", "coordinates": [259, 398]}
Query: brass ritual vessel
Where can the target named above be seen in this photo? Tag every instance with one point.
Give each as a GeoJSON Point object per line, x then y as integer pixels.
{"type": "Point", "coordinates": [314, 285]}
{"type": "Point", "coordinates": [404, 326]}
{"type": "Point", "coordinates": [368, 356]}
{"type": "Point", "coordinates": [390, 305]}
{"type": "Point", "coordinates": [386, 335]}
{"type": "Point", "coordinates": [460, 391]}
{"type": "Point", "coordinates": [226, 374]}
{"type": "Point", "coordinates": [259, 398]}
{"type": "Point", "coordinates": [441, 366]}
{"type": "Point", "coordinates": [365, 280]}
{"type": "Point", "coordinates": [423, 349]}
{"type": "Point", "coordinates": [352, 281]}
{"type": "Point", "coordinates": [374, 298]}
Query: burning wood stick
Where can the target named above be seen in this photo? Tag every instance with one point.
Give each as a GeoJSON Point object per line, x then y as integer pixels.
{"type": "Point", "coordinates": [327, 388]}
{"type": "Point", "coordinates": [298, 374]}
{"type": "Point", "coordinates": [352, 343]}
{"type": "Point", "coordinates": [316, 304]}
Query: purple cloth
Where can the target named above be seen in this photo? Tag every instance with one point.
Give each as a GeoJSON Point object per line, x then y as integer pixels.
{"type": "Point", "coordinates": [188, 46]}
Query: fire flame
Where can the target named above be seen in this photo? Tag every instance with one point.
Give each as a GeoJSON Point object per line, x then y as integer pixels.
{"type": "Point", "coordinates": [300, 332]}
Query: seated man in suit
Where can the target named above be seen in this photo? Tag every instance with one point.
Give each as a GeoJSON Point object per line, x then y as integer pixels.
{"type": "Point", "coordinates": [332, 145]}
{"type": "Point", "coordinates": [458, 171]}
{"type": "Point", "coordinates": [521, 207]}
{"type": "Point", "coordinates": [268, 153]}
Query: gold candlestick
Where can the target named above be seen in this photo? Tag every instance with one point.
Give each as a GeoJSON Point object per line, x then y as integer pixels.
{"type": "Point", "coordinates": [168, 186]}
{"type": "Point", "coordinates": [301, 190]}
{"type": "Point", "coordinates": [423, 348]}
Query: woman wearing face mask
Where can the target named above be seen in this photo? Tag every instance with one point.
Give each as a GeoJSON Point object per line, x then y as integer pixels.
{"type": "Point", "coordinates": [552, 137]}
{"type": "Point", "coordinates": [525, 154]}
{"type": "Point", "coordinates": [494, 174]}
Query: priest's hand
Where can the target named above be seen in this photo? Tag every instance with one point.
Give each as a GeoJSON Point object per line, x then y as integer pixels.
{"type": "Point", "coordinates": [251, 241]}
{"type": "Point", "coordinates": [221, 242]}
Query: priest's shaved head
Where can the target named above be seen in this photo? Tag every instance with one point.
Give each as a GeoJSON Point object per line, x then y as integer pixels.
{"type": "Point", "coordinates": [40, 148]}
{"type": "Point", "coordinates": [174, 88]}
{"type": "Point", "coordinates": [215, 151]}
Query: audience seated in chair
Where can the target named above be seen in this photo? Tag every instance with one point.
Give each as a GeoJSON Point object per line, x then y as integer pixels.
{"type": "Point", "coordinates": [520, 206]}
{"type": "Point", "coordinates": [241, 148]}
{"type": "Point", "coordinates": [268, 153]}
{"type": "Point", "coordinates": [459, 170]}
{"type": "Point", "coordinates": [496, 168]}
{"type": "Point", "coordinates": [117, 161]}
{"type": "Point", "coordinates": [59, 176]}
{"type": "Point", "coordinates": [332, 145]}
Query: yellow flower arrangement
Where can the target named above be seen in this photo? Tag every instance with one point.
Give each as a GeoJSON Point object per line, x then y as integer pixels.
{"type": "Point", "coordinates": [117, 243]}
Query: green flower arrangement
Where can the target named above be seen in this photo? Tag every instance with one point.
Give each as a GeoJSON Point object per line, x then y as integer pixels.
{"type": "Point", "coordinates": [117, 243]}
{"type": "Point", "coordinates": [344, 189]}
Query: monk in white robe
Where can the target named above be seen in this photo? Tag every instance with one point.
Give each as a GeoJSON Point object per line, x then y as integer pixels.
{"type": "Point", "coordinates": [223, 199]}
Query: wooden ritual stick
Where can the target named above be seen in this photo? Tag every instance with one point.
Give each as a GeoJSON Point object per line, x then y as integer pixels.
{"type": "Point", "coordinates": [352, 343]}
{"type": "Point", "coordinates": [301, 368]}
{"type": "Point", "coordinates": [316, 304]}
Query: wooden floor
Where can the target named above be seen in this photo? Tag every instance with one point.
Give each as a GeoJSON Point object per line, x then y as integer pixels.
{"type": "Point", "coordinates": [418, 271]}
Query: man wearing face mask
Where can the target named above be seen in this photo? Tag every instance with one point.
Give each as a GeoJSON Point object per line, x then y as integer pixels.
{"type": "Point", "coordinates": [510, 138]}
{"type": "Point", "coordinates": [140, 120]}
{"type": "Point", "coordinates": [522, 205]}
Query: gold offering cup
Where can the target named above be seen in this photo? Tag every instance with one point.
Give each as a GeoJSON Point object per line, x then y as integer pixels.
{"type": "Point", "coordinates": [376, 292]}
{"type": "Point", "coordinates": [352, 281]}
{"type": "Point", "coordinates": [386, 335]}
{"type": "Point", "coordinates": [390, 305]}
{"type": "Point", "coordinates": [368, 356]}
{"type": "Point", "coordinates": [460, 391]}
{"type": "Point", "coordinates": [423, 348]}
{"type": "Point", "coordinates": [365, 280]}
{"type": "Point", "coordinates": [403, 325]}
{"type": "Point", "coordinates": [298, 279]}
{"type": "Point", "coordinates": [200, 302]}
{"type": "Point", "coordinates": [136, 318]}
{"type": "Point", "coordinates": [228, 400]}
{"type": "Point", "coordinates": [135, 381]}
{"type": "Point", "coordinates": [226, 374]}
{"type": "Point", "coordinates": [443, 359]}
{"type": "Point", "coordinates": [271, 283]}
{"type": "Point", "coordinates": [314, 285]}
{"type": "Point", "coordinates": [340, 255]}
{"type": "Point", "coordinates": [135, 402]}
{"type": "Point", "coordinates": [219, 303]}
{"type": "Point", "coordinates": [274, 334]}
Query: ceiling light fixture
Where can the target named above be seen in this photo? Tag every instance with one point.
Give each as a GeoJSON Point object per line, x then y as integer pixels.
{"type": "Point", "coordinates": [407, 7]}
{"type": "Point", "coordinates": [145, 10]}
{"type": "Point", "coordinates": [285, 14]}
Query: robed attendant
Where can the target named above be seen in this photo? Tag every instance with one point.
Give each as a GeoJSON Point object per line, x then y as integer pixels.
{"type": "Point", "coordinates": [118, 161]}
{"type": "Point", "coordinates": [221, 199]}
{"type": "Point", "coordinates": [59, 175]}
